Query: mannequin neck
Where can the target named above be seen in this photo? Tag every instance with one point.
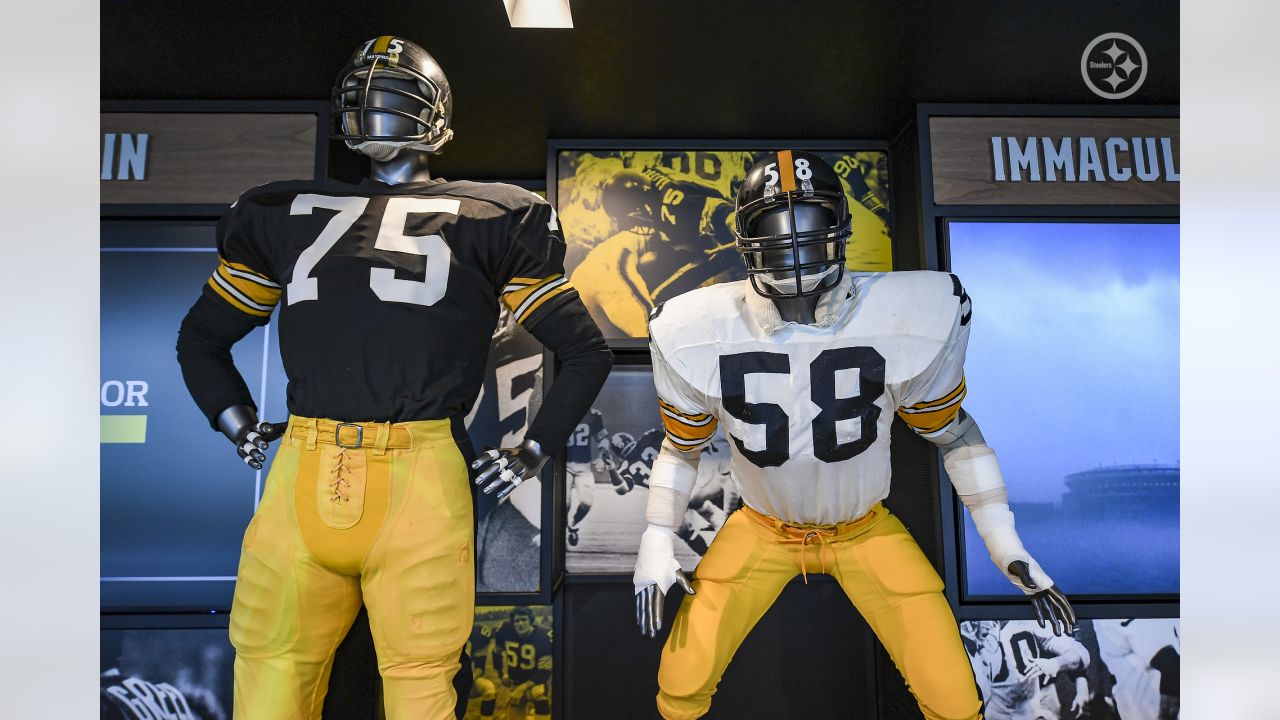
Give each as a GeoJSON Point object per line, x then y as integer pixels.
{"type": "Point", "coordinates": [406, 167]}
{"type": "Point", "coordinates": [799, 310]}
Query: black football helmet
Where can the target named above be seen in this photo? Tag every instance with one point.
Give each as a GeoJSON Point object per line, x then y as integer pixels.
{"type": "Point", "coordinates": [621, 444]}
{"type": "Point", "coordinates": [791, 225]}
{"type": "Point", "coordinates": [377, 117]}
{"type": "Point", "coordinates": [629, 199]}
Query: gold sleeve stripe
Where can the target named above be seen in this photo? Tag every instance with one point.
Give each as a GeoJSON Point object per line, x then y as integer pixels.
{"type": "Point", "coordinates": [956, 395]}
{"type": "Point", "coordinates": [930, 422]}
{"type": "Point", "coordinates": [248, 273]}
{"type": "Point", "coordinates": [670, 409]}
{"type": "Point", "coordinates": [687, 444]}
{"type": "Point", "coordinates": [684, 432]}
{"type": "Point", "coordinates": [526, 301]}
{"type": "Point", "coordinates": [521, 289]}
{"type": "Point", "coordinates": [251, 286]}
{"type": "Point", "coordinates": [236, 299]}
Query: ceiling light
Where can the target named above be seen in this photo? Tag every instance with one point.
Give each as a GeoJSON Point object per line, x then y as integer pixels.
{"type": "Point", "coordinates": [539, 13]}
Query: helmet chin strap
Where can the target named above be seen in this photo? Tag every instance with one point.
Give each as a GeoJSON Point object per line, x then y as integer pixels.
{"type": "Point", "coordinates": [787, 283]}
{"type": "Point", "coordinates": [384, 150]}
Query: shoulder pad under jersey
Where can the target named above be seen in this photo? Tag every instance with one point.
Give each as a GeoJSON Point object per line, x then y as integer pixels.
{"type": "Point", "coordinates": [919, 303]}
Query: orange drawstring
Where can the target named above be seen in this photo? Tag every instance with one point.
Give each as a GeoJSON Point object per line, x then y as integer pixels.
{"type": "Point", "coordinates": [822, 536]}
{"type": "Point", "coordinates": [803, 534]}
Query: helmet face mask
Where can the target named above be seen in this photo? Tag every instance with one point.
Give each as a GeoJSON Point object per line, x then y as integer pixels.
{"type": "Point", "coordinates": [391, 95]}
{"type": "Point", "coordinates": [792, 225]}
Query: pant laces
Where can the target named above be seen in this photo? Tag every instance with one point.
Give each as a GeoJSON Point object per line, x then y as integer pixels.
{"type": "Point", "coordinates": [339, 482]}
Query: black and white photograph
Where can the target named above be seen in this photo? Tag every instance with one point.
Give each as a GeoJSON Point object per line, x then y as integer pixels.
{"type": "Point", "coordinates": [1104, 670]}
{"type": "Point", "coordinates": [175, 674]}
{"type": "Point", "coordinates": [607, 466]}
{"type": "Point", "coordinates": [508, 531]}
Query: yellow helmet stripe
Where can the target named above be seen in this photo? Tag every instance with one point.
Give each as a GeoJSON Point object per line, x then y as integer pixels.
{"type": "Point", "coordinates": [787, 168]}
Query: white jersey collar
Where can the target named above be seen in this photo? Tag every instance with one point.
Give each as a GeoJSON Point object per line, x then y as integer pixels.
{"type": "Point", "coordinates": [833, 308]}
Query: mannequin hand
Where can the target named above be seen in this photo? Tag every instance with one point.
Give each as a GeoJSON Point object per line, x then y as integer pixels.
{"type": "Point", "coordinates": [656, 571]}
{"type": "Point", "coordinates": [1050, 604]}
{"type": "Point", "coordinates": [503, 470]}
{"type": "Point", "coordinates": [241, 426]}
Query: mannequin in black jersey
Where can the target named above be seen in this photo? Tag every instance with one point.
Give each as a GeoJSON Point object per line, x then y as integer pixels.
{"type": "Point", "coordinates": [384, 124]}
{"type": "Point", "coordinates": [388, 293]}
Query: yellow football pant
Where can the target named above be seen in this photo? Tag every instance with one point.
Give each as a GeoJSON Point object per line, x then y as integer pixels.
{"type": "Point", "coordinates": [880, 568]}
{"type": "Point", "coordinates": [352, 512]}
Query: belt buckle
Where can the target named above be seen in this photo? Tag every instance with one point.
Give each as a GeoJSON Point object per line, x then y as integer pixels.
{"type": "Point", "coordinates": [337, 435]}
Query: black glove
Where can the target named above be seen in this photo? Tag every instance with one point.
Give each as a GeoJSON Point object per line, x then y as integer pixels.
{"type": "Point", "coordinates": [251, 438]}
{"type": "Point", "coordinates": [506, 468]}
{"type": "Point", "coordinates": [1050, 604]}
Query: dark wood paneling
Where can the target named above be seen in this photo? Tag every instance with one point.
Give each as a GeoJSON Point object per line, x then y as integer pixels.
{"type": "Point", "coordinates": [210, 158]}
{"type": "Point", "coordinates": [963, 162]}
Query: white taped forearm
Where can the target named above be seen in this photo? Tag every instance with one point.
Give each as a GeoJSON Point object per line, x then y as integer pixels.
{"type": "Point", "coordinates": [656, 562]}
{"type": "Point", "coordinates": [975, 473]}
{"type": "Point", "coordinates": [670, 484]}
{"type": "Point", "coordinates": [973, 469]}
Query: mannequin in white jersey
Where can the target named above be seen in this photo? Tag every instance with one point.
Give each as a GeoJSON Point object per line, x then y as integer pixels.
{"type": "Point", "coordinates": [804, 364]}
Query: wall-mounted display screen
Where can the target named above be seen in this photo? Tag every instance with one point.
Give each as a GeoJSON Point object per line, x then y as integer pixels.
{"type": "Point", "coordinates": [645, 225]}
{"type": "Point", "coordinates": [1072, 373]}
{"type": "Point", "coordinates": [175, 498]}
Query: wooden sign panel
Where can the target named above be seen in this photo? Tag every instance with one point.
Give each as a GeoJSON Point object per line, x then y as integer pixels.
{"type": "Point", "coordinates": [202, 158]}
{"type": "Point", "coordinates": [1054, 161]}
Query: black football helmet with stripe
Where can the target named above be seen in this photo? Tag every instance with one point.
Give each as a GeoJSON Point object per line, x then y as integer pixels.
{"type": "Point", "coordinates": [791, 225]}
{"type": "Point", "coordinates": [391, 95]}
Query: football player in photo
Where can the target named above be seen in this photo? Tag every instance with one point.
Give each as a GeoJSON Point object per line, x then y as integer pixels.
{"type": "Point", "coordinates": [388, 293]}
{"type": "Point", "coordinates": [1015, 665]}
{"type": "Point", "coordinates": [584, 466]}
{"type": "Point", "coordinates": [712, 498]}
{"type": "Point", "coordinates": [480, 649]}
{"type": "Point", "coordinates": [803, 365]}
{"type": "Point", "coordinates": [670, 236]}
{"type": "Point", "coordinates": [1144, 659]}
{"type": "Point", "coordinates": [525, 649]}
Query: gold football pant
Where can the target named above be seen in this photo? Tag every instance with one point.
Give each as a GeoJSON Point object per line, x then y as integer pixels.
{"type": "Point", "coordinates": [879, 566]}
{"type": "Point", "coordinates": [352, 512]}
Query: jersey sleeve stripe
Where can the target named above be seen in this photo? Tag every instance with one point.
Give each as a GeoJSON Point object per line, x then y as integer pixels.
{"type": "Point", "coordinates": [247, 273]}
{"type": "Point", "coordinates": [684, 420]}
{"type": "Point", "coordinates": [693, 419]}
{"type": "Point", "coordinates": [687, 444]}
{"type": "Point", "coordinates": [683, 433]}
{"type": "Point", "coordinates": [956, 395]}
{"type": "Point", "coordinates": [521, 294]}
{"type": "Point", "coordinates": [540, 297]}
{"type": "Point", "coordinates": [925, 423]}
{"type": "Point", "coordinates": [237, 299]}
{"type": "Point", "coordinates": [248, 285]}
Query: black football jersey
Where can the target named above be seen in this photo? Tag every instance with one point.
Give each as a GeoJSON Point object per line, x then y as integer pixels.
{"type": "Point", "coordinates": [637, 462]}
{"type": "Point", "coordinates": [585, 437]}
{"type": "Point", "coordinates": [524, 659]}
{"type": "Point", "coordinates": [388, 294]}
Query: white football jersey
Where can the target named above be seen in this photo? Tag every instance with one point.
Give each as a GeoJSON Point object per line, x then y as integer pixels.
{"type": "Point", "coordinates": [807, 408]}
{"type": "Point", "coordinates": [1021, 642]}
